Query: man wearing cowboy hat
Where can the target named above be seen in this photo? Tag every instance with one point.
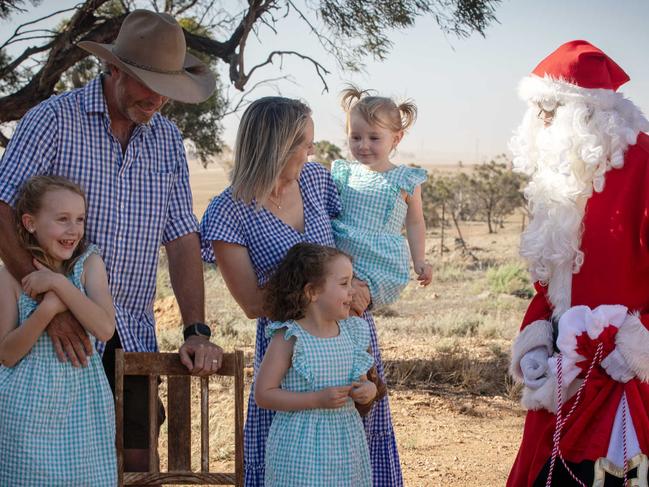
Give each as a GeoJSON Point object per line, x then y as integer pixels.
{"type": "Point", "coordinates": [109, 137]}
{"type": "Point", "coordinates": [583, 349]}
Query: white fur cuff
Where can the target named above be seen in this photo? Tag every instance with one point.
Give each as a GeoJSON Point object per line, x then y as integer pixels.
{"type": "Point", "coordinates": [545, 397]}
{"type": "Point", "coordinates": [632, 340]}
{"type": "Point", "coordinates": [536, 334]}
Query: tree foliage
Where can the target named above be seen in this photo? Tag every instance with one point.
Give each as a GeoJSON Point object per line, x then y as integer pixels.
{"type": "Point", "coordinates": [349, 30]}
{"type": "Point", "coordinates": [327, 152]}
{"type": "Point", "coordinates": [497, 189]}
{"type": "Point", "coordinates": [489, 192]}
{"type": "Point", "coordinates": [8, 7]}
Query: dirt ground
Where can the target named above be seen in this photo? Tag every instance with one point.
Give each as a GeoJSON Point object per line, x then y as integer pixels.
{"type": "Point", "coordinates": [455, 439]}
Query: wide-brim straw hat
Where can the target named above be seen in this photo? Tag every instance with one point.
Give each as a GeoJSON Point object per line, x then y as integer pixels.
{"type": "Point", "coordinates": [151, 47]}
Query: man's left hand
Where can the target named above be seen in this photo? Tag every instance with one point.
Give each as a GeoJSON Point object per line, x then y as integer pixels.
{"type": "Point", "coordinates": [200, 356]}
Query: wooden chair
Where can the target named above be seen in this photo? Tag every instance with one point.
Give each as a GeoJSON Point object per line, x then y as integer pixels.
{"type": "Point", "coordinates": [154, 365]}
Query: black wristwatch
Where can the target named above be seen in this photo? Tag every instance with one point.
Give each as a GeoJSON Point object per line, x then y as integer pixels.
{"type": "Point", "coordinates": [198, 328]}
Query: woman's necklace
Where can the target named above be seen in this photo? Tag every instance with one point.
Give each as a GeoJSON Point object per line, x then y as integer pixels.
{"type": "Point", "coordinates": [278, 202]}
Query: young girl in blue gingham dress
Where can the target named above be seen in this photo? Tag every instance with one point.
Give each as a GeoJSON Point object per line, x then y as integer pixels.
{"type": "Point", "coordinates": [313, 371]}
{"type": "Point", "coordinates": [378, 198]}
{"type": "Point", "coordinates": [57, 422]}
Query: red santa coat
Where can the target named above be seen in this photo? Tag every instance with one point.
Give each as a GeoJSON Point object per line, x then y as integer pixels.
{"type": "Point", "coordinates": [615, 243]}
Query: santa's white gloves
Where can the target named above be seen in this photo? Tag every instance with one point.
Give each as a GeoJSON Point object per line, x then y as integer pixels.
{"type": "Point", "coordinates": [534, 365]}
{"type": "Point", "coordinates": [616, 367]}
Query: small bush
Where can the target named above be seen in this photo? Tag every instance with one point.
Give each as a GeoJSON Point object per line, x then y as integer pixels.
{"type": "Point", "coordinates": [450, 272]}
{"type": "Point", "coordinates": [510, 279]}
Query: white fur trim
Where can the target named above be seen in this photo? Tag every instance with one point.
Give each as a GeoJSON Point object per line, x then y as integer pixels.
{"type": "Point", "coordinates": [545, 397]}
{"type": "Point", "coordinates": [535, 88]}
{"type": "Point", "coordinates": [536, 334]}
{"type": "Point", "coordinates": [632, 340]}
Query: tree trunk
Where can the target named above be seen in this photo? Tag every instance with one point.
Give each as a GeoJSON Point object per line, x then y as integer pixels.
{"type": "Point", "coordinates": [523, 222]}
{"type": "Point", "coordinates": [491, 230]}
{"type": "Point", "coordinates": [465, 249]}
{"type": "Point", "coordinates": [441, 245]}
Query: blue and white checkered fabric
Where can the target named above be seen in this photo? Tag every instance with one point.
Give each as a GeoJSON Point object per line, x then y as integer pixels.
{"type": "Point", "coordinates": [267, 239]}
{"type": "Point", "coordinates": [321, 447]}
{"type": "Point", "coordinates": [57, 422]}
{"type": "Point", "coordinates": [136, 200]}
{"type": "Point", "coordinates": [370, 225]}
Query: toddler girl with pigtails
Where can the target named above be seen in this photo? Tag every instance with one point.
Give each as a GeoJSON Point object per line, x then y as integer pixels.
{"type": "Point", "coordinates": [379, 197]}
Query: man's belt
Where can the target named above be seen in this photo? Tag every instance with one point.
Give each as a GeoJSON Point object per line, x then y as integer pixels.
{"type": "Point", "coordinates": [639, 462]}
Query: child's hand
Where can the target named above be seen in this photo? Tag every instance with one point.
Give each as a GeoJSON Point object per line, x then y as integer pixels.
{"type": "Point", "coordinates": [424, 273]}
{"type": "Point", "coordinates": [53, 303]}
{"type": "Point", "coordinates": [39, 281]}
{"type": "Point", "coordinates": [363, 392]}
{"type": "Point", "coordinates": [333, 397]}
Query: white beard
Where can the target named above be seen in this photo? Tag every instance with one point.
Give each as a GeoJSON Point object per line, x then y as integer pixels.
{"type": "Point", "coordinates": [567, 162]}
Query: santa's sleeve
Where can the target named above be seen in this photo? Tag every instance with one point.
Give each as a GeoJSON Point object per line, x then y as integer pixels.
{"type": "Point", "coordinates": [632, 338]}
{"type": "Point", "coordinates": [536, 330]}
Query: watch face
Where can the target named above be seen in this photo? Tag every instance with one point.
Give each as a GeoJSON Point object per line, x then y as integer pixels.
{"type": "Point", "coordinates": [200, 329]}
{"type": "Point", "coordinates": [203, 330]}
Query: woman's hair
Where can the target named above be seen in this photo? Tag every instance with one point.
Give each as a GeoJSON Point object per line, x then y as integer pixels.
{"type": "Point", "coordinates": [270, 130]}
{"type": "Point", "coordinates": [30, 201]}
{"type": "Point", "coordinates": [378, 110]}
{"type": "Point", "coordinates": [305, 263]}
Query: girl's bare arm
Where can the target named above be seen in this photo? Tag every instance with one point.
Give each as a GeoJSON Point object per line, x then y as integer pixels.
{"type": "Point", "coordinates": [416, 233]}
{"type": "Point", "coordinates": [94, 310]}
{"type": "Point", "coordinates": [269, 394]}
{"type": "Point", "coordinates": [16, 341]}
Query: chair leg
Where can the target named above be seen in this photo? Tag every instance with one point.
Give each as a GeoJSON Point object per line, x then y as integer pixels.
{"type": "Point", "coordinates": [238, 418]}
{"type": "Point", "coordinates": [119, 413]}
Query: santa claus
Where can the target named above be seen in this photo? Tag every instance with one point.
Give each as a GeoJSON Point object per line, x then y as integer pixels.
{"type": "Point", "coordinates": [583, 349]}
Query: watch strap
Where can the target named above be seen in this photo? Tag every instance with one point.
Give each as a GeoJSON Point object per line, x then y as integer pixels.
{"type": "Point", "coordinates": [198, 328]}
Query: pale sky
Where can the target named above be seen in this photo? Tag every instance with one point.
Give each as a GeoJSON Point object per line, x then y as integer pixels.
{"type": "Point", "coordinates": [465, 89]}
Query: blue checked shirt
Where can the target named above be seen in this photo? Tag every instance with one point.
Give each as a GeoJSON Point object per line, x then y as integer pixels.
{"type": "Point", "coordinates": [136, 200]}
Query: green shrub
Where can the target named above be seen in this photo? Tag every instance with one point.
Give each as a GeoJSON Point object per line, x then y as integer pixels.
{"type": "Point", "coordinates": [510, 279]}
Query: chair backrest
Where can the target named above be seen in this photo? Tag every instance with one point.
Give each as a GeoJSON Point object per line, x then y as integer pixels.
{"type": "Point", "coordinates": [179, 471]}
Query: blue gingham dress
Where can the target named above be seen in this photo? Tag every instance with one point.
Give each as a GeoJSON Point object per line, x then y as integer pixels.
{"type": "Point", "coordinates": [370, 225]}
{"type": "Point", "coordinates": [267, 239]}
{"type": "Point", "coordinates": [321, 447]}
{"type": "Point", "coordinates": [57, 422]}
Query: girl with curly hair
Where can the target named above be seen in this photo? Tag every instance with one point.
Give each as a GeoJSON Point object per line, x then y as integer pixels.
{"type": "Point", "coordinates": [314, 370]}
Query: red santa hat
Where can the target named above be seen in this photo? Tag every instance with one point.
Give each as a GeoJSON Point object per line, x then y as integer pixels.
{"type": "Point", "coordinates": [576, 71]}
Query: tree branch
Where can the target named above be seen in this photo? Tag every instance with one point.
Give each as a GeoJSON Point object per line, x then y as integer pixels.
{"type": "Point", "coordinates": [27, 53]}
{"type": "Point", "coordinates": [244, 101]}
{"type": "Point", "coordinates": [184, 9]}
{"type": "Point", "coordinates": [4, 141]}
{"type": "Point", "coordinates": [320, 69]}
{"type": "Point", "coordinates": [17, 33]}
{"type": "Point", "coordinates": [63, 54]}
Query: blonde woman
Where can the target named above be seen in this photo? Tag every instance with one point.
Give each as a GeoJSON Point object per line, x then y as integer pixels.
{"type": "Point", "coordinates": [276, 199]}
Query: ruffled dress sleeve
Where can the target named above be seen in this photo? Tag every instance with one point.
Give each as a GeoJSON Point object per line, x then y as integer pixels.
{"type": "Point", "coordinates": [360, 333]}
{"type": "Point", "coordinates": [222, 221]}
{"type": "Point", "coordinates": [340, 171]}
{"type": "Point", "coordinates": [77, 270]}
{"type": "Point", "coordinates": [291, 329]}
{"type": "Point", "coordinates": [408, 178]}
